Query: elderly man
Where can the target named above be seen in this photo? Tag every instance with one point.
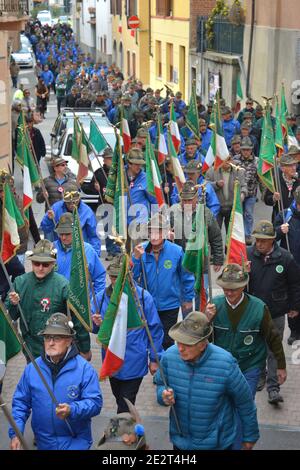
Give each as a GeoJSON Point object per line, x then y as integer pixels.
{"type": "Point", "coordinates": [64, 229]}
{"type": "Point", "coordinates": [275, 279]}
{"type": "Point", "coordinates": [289, 181]}
{"type": "Point", "coordinates": [41, 293]}
{"type": "Point", "coordinates": [87, 219]}
{"type": "Point", "coordinates": [207, 390]}
{"type": "Point", "coordinates": [76, 387]}
{"type": "Point", "coordinates": [157, 266]}
{"type": "Point", "coordinates": [58, 183]}
{"type": "Point", "coordinates": [244, 327]}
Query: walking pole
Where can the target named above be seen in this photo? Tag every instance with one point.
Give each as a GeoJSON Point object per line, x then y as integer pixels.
{"type": "Point", "coordinates": [11, 288]}
{"type": "Point", "coordinates": [12, 423]}
{"type": "Point", "coordinates": [139, 306]}
{"type": "Point", "coordinates": [33, 361]}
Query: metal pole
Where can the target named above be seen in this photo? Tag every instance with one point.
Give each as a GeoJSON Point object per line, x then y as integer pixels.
{"type": "Point", "coordinates": [33, 361]}
{"type": "Point", "coordinates": [11, 287]}
{"type": "Point", "coordinates": [13, 424]}
{"type": "Point", "coordinates": [139, 306]}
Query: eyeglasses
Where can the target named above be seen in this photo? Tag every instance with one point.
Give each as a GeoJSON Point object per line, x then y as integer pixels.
{"type": "Point", "coordinates": [54, 338]}
{"type": "Point", "coordinates": [44, 265]}
{"type": "Point", "coordinates": [62, 164]}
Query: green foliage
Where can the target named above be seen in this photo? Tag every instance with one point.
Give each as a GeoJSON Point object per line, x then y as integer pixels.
{"type": "Point", "coordinates": [221, 10]}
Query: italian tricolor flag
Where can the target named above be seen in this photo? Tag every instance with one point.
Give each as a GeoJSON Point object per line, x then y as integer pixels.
{"type": "Point", "coordinates": [236, 246]}
{"type": "Point", "coordinates": [121, 315]}
{"type": "Point", "coordinates": [153, 174]}
{"type": "Point", "coordinates": [31, 177]}
{"type": "Point", "coordinates": [81, 149]}
{"type": "Point", "coordinates": [126, 135]}
{"type": "Point", "coordinates": [218, 151]}
{"type": "Point", "coordinates": [291, 138]}
{"type": "Point", "coordinates": [177, 169]}
{"type": "Point", "coordinates": [11, 221]}
{"type": "Point", "coordinates": [162, 145]}
{"type": "Point", "coordinates": [174, 129]}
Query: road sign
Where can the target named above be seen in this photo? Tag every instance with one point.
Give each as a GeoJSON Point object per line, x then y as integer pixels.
{"type": "Point", "coordinates": [133, 22]}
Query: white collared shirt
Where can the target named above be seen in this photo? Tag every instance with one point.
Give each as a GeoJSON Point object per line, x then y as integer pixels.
{"type": "Point", "coordinates": [239, 302]}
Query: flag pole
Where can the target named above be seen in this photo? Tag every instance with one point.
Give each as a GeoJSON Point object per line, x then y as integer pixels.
{"type": "Point", "coordinates": [13, 424]}
{"type": "Point", "coordinates": [139, 307]}
{"type": "Point", "coordinates": [280, 202]}
{"type": "Point", "coordinates": [11, 287]}
{"type": "Point", "coordinates": [33, 361]}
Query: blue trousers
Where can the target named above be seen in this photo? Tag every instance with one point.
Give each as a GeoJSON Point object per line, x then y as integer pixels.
{"type": "Point", "coordinates": [252, 376]}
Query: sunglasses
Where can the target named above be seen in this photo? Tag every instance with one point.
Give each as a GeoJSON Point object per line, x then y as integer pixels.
{"type": "Point", "coordinates": [62, 164]}
{"type": "Point", "coordinates": [44, 265]}
{"type": "Point", "coordinates": [55, 338]}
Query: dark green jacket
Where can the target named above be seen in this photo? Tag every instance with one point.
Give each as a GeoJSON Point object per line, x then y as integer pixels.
{"type": "Point", "coordinates": [39, 300]}
{"type": "Point", "coordinates": [246, 331]}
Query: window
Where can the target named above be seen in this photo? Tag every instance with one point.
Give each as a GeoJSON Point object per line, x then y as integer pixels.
{"type": "Point", "coordinates": [158, 59]}
{"type": "Point", "coordinates": [133, 65]}
{"type": "Point", "coordinates": [101, 46]}
{"type": "Point", "coordinates": [104, 45]}
{"type": "Point", "coordinates": [119, 7]}
{"type": "Point", "coordinates": [164, 7]}
{"type": "Point", "coordinates": [131, 7]}
{"type": "Point", "coordinates": [169, 62]}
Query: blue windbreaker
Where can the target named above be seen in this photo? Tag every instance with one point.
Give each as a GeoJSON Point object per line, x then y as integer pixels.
{"type": "Point", "coordinates": [76, 384]}
{"type": "Point", "coordinates": [95, 267]}
{"type": "Point", "coordinates": [211, 199]}
{"type": "Point", "coordinates": [138, 348]}
{"type": "Point", "coordinates": [167, 281]}
{"type": "Point", "coordinates": [139, 195]}
{"type": "Point", "coordinates": [87, 221]}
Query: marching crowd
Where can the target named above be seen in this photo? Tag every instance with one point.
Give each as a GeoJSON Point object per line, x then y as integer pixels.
{"type": "Point", "coordinates": [207, 366]}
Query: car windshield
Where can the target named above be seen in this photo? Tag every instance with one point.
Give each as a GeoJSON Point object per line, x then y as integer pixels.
{"type": "Point", "coordinates": [101, 121]}
{"type": "Point", "coordinates": [23, 51]}
{"type": "Point", "coordinates": [45, 18]}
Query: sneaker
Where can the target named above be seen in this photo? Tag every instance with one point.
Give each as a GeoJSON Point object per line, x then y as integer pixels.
{"type": "Point", "coordinates": [262, 381]}
{"type": "Point", "coordinates": [109, 257]}
{"type": "Point", "coordinates": [275, 397]}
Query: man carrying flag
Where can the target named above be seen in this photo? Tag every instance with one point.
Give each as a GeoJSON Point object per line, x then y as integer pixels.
{"type": "Point", "coordinates": [41, 293]}
{"type": "Point", "coordinates": [236, 244]}
{"type": "Point", "coordinates": [128, 354]}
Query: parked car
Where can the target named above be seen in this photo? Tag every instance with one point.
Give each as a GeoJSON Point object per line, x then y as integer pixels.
{"type": "Point", "coordinates": [61, 141]}
{"type": "Point", "coordinates": [45, 17]}
{"type": "Point", "coordinates": [24, 57]}
{"type": "Point", "coordinates": [25, 43]}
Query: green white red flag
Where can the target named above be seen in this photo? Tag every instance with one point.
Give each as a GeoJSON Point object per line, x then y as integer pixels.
{"type": "Point", "coordinates": [174, 129]}
{"type": "Point", "coordinates": [197, 252]}
{"type": "Point", "coordinates": [81, 149]}
{"type": "Point", "coordinates": [12, 220]}
{"type": "Point", "coordinates": [267, 152]}
{"type": "Point", "coordinates": [121, 315]}
{"type": "Point", "coordinates": [153, 174]}
{"type": "Point", "coordinates": [218, 151]}
{"type": "Point", "coordinates": [236, 244]}
{"type": "Point", "coordinates": [126, 136]}
{"type": "Point", "coordinates": [284, 113]}
{"type": "Point", "coordinates": [278, 133]}
{"type": "Point", "coordinates": [162, 145]}
{"type": "Point", "coordinates": [177, 169]}
{"type": "Point", "coordinates": [30, 177]}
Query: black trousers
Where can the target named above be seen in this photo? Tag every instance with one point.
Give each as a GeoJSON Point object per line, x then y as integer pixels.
{"type": "Point", "coordinates": [294, 325]}
{"type": "Point", "coordinates": [168, 318]}
{"type": "Point", "coordinates": [224, 214]}
{"type": "Point", "coordinates": [125, 388]}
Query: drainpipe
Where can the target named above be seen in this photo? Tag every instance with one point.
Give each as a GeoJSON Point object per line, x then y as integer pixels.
{"type": "Point", "coordinates": [250, 48]}
{"type": "Point", "coordinates": [150, 38]}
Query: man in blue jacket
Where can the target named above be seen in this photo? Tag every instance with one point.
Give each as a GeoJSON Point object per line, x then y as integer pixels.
{"type": "Point", "coordinates": [207, 390]}
{"type": "Point", "coordinates": [87, 219]}
{"type": "Point", "coordinates": [157, 266]}
{"type": "Point", "coordinates": [75, 385]}
{"type": "Point", "coordinates": [64, 229]}
{"type": "Point", "coordinates": [193, 173]}
{"type": "Point", "coordinates": [139, 355]}
{"type": "Point", "coordinates": [230, 125]}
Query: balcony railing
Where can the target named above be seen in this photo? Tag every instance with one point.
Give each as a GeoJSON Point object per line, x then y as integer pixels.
{"type": "Point", "coordinates": [14, 8]}
{"type": "Point", "coordinates": [228, 38]}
